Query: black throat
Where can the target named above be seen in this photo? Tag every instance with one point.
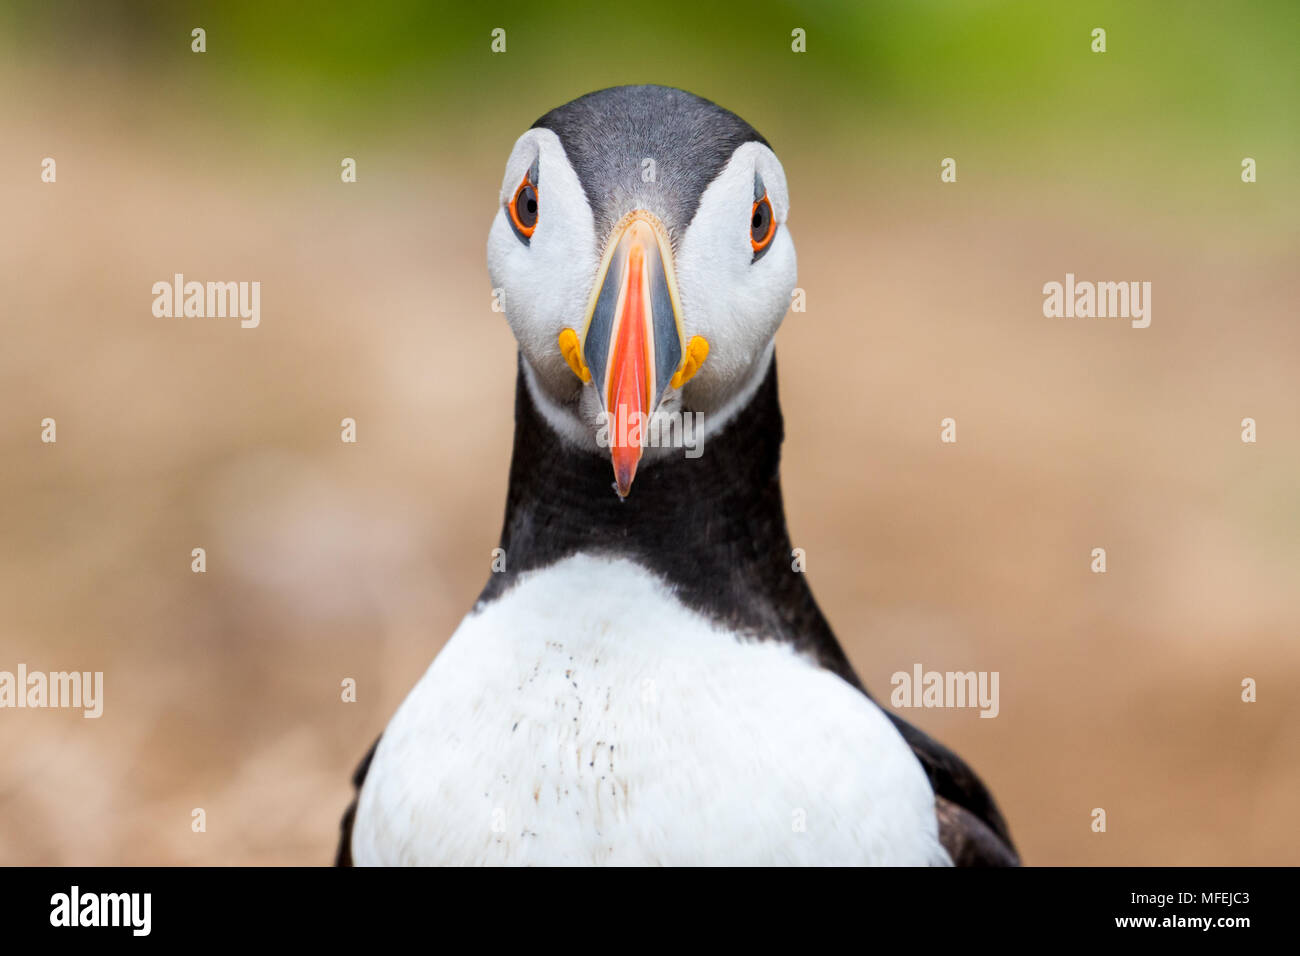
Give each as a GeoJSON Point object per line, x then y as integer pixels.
{"type": "Point", "coordinates": [713, 527]}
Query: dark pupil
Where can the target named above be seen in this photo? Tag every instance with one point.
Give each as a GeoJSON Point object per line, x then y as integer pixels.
{"type": "Point", "coordinates": [760, 221]}
{"type": "Point", "coordinates": [526, 206]}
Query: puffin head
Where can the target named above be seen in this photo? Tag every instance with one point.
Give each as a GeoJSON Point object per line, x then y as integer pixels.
{"type": "Point", "coordinates": [640, 254]}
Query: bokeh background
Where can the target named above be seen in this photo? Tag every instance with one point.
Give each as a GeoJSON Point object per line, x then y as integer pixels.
{"type": "Point", "coordinates": [328, 560]}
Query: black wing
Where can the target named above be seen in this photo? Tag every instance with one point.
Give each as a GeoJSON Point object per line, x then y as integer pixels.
{"type": "Point", "coordinates": [344, 855]}
{"type": "Point", "coordinates": [971, 827]}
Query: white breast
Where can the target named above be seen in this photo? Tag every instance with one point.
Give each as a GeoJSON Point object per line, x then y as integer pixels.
{"type": "Point", "coordinates": [589, 717]}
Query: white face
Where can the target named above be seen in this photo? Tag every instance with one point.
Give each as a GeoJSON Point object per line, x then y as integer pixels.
{"type": "Point", "coordinates": [726, 293]}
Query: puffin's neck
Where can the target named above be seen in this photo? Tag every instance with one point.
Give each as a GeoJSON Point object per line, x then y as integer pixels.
{"type": "Point", "coordinates": [713, 527]}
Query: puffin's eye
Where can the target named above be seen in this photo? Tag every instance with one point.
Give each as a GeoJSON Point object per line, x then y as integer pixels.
{"type": "Point", "coordinates": [523, 207]}
{"type": "Point", "coordinates": [762, 226]}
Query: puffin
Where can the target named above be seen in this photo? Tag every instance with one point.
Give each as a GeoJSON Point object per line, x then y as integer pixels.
{"type": "Point", "coordinates": [646, 678]}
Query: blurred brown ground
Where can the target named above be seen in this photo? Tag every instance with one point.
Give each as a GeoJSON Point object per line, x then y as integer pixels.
{"type": "Point", "coordinates": [328, 561]}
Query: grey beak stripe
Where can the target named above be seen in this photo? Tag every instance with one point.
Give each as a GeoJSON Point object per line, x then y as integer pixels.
{"type": "Point", "coordinates": [667, 342]}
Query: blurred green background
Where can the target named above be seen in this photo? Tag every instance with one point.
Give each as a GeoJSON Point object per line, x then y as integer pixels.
{"type": "Point", "coordinates": [1119, 691]}
{"type": "Point", "coordinates": [1013, 86]}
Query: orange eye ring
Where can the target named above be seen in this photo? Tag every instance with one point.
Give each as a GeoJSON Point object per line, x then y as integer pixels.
{"type": "Point", "coordinates": [762, 225]}
{"type": "Point", "coordinates": [523, 208]}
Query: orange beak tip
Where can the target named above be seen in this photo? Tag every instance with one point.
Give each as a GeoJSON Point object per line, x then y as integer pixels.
{"type": "Point", "coordinates": [625, 462]}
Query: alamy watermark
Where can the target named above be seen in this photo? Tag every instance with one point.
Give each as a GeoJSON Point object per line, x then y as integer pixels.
{"type": "Point", "coordinates": [84, 689]}
{"type": "Point", "coordinates": [663, 429]}
{"type": "Point", "coordinates": [922, 688]}
{"type": "Point", "coordinates": [216, 300]}
{"type": "Point", "coordinates": [1098, 300]}
{"type": "Point", "coordinates": [129, 910]}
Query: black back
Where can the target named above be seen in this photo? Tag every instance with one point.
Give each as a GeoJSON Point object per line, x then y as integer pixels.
{"type": "Point", "coordinates": [713, 527]}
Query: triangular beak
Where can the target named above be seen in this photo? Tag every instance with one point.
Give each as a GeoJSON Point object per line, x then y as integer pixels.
{"type": "Point", "coordinates": [633, 341]}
